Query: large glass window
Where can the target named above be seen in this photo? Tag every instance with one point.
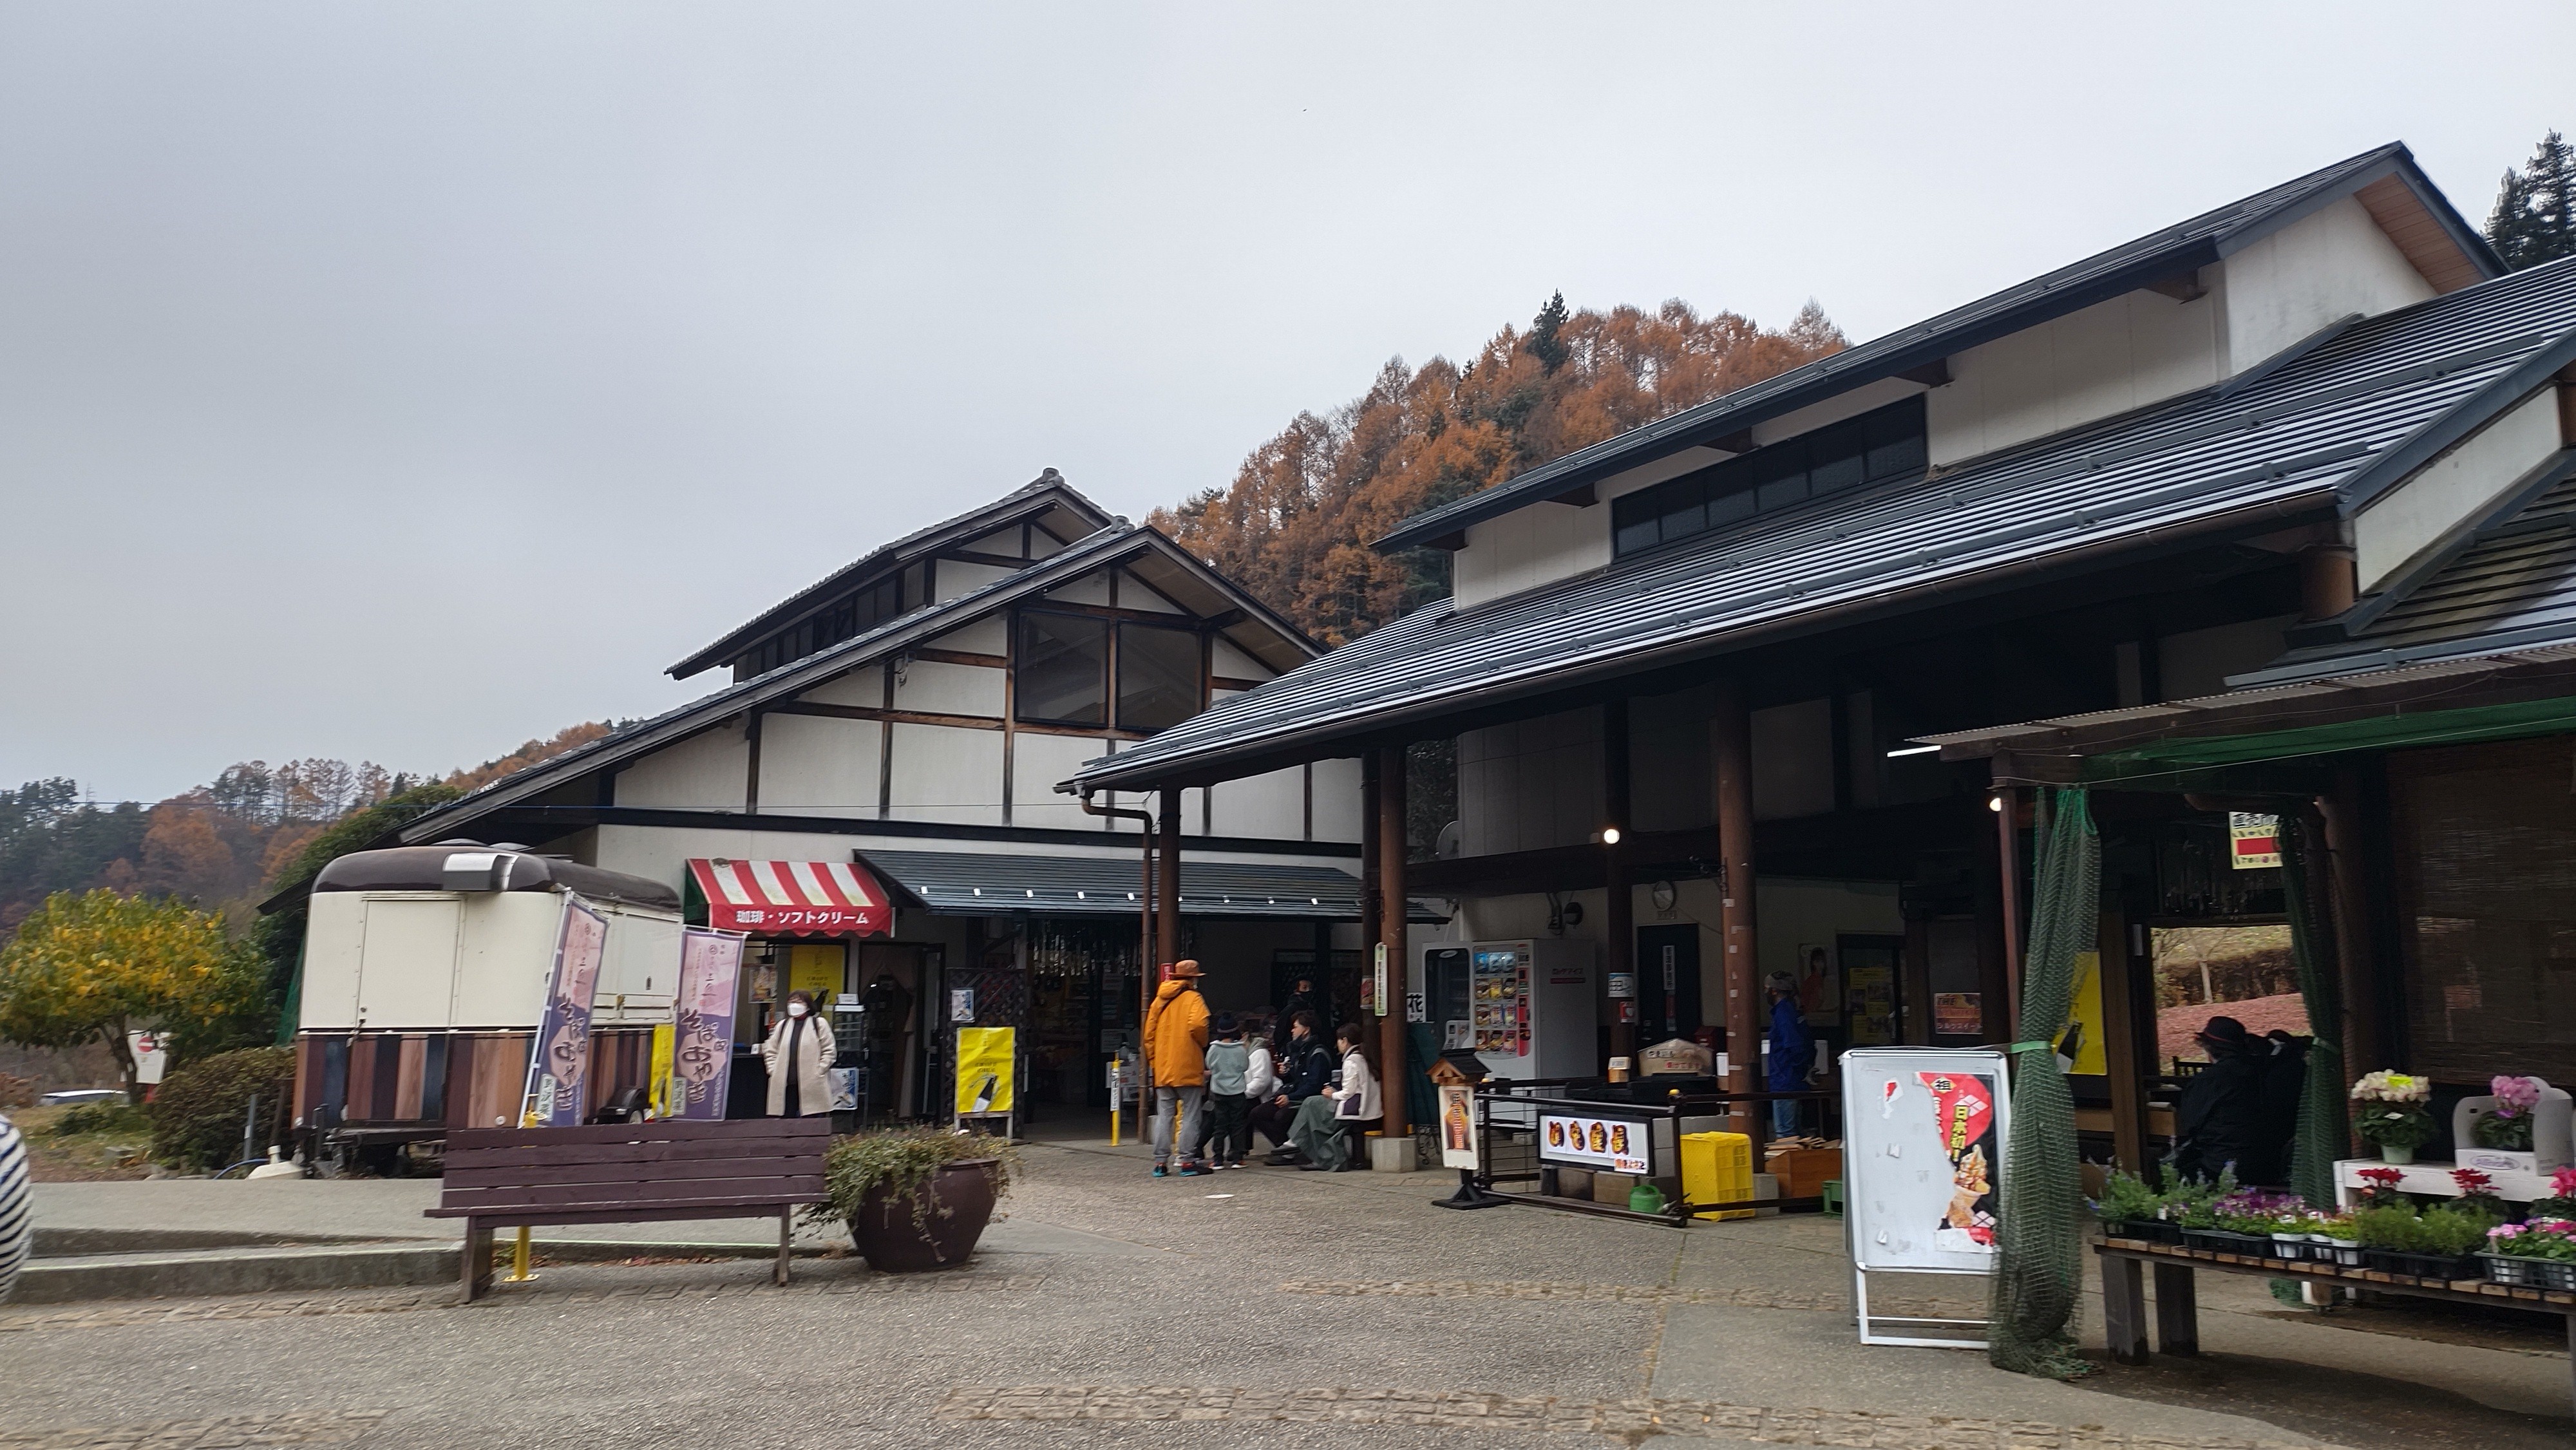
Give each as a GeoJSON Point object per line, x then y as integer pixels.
{"type": "Point", "coordinates": [1061, 675]}
{"type": "Point", "coordinates": [1872, 448]}
{"type": "Point", "coordinates": [1158, 676]}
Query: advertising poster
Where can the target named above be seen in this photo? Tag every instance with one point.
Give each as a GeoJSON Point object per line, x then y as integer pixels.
{"type": "Point", "coordinates": [1923, 1136]}
{"type": "Point", "coordinates": [1457, 1125]}
{"type": "Point", "coordinates": [2253, 841]}
{"type": "Point", "coordinates": [1610, 1143]}
{"type": "Point", "coordinates": [1958, 1014]}
{"type": "Point", "coordinates": [665, 1040]}
{"type": "Point", "coordinates": [1820, 996]}
{"type": "Point", "coordinates": [559, 1062]}
{"type": "Point", "coordinates": [702, 1054]}
{"type": "Point", "coordinates": [984, 1061]}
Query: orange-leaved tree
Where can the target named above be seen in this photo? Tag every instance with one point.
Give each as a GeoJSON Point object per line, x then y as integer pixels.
{"type": "Point", "coordinates": [1296, 524]}
{"type": "Point", "coordinates": [91, 968]}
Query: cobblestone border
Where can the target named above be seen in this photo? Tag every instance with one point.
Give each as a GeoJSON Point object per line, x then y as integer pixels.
{"type": "Point", "coordinates": [1632, 1420]}
{"type": "Point", "coordinates": [277, 1306]}
{"type": "Point", "coordinates": [1827, 1301]}
{"type": "Point", "coordinates": [337, 1427]}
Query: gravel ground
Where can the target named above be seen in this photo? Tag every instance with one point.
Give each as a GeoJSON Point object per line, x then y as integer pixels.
{"type": "Point", "coordinates": [1262, 1308]}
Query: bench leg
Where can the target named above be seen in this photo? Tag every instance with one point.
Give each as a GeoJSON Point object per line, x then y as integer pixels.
{"type": "Point", "coordinates": [477, 1271]}
{"type": "Point", "coordinates": [786, 1233]}
{"type": "Point", "coordinates": [2177, 1310]}
{"type": "Point", "coordinates": [2124, 1308]}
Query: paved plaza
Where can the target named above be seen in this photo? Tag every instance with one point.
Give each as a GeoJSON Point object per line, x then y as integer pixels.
{"type": "Point", "coordinates": [1263, 1308]}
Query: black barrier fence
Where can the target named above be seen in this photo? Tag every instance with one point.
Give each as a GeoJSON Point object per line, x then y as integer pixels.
{"type": "Point", "coordinates": [1512, 1119]}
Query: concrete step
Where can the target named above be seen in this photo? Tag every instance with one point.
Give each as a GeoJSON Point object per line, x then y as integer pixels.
{"type": "Point", "coordinates": [270, 1267]}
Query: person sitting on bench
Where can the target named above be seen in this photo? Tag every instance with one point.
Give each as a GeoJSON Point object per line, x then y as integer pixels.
{"type": "Point", "coordinates": [1333, 1124]}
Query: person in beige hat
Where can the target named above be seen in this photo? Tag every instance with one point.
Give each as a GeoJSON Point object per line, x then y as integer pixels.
{"type": "Point", "coordinates": [1176, 1039]}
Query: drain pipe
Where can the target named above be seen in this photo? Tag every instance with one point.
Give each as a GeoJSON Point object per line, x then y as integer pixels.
{"type": "Point", "coordinates": [1144, 954]}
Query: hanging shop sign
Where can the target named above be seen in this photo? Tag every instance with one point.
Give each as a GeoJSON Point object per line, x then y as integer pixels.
{"type": "Point", "coordinates": [559, 1059]}
{"type": "Point", "coordinates": [702, 1013]}
{"type": "Point", "coordinates": [2253, 841]}
{"type": "Point", "coordinates": [1616, 1144]}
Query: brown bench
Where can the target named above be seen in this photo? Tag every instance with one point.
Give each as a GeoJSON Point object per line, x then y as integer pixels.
{"type": "Point", "coordinates": [629, 1173]}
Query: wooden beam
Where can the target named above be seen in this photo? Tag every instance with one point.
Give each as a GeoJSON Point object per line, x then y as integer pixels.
{"type": "Point", "coordinates": [1731, 751]}
{"type": "Point", "coordinates": [1167, 883]}
{"type": "Point", "coordinates": [1392, 913]}
{"type": "Point", "coordinates": [1229, 682]}
{"type": "Point", "coordinates": [2008, 859]}
{"type": "Point", "coordinates": [1739, 441]}
{"type": "Point", "coordinates": [2364, 1047]}
{"type": "Point", "coordinates": [1619, 923]}
{"type": "Point", "coordinates": [1934, 374]}
{"type": "Point", "coordinates": [976, 556]}
{"type": "Point", "coordinates": [1581, 498]}
{"type": "Point", "coordinates": [962, 657]}
{"type": "Point", "coordinates": [2181, 286]}
{"type": "Point", "coordinates": [2120, 1039]}
{"type": "Point", "coordinates": [955, 722]}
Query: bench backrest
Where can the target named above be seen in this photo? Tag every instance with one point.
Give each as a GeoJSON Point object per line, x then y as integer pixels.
{"type": "Point", "coordinates": [751, 1161]}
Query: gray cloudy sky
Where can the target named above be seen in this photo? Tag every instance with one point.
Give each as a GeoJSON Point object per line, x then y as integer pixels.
{"type": "Point", "coordinates": [401, 382]}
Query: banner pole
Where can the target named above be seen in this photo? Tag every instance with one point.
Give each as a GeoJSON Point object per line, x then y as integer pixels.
{"type": "Point", "coordinates": [519, 1260]}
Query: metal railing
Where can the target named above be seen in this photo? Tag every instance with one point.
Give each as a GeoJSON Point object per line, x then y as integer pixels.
{"type": "Point", "coordinates": [1507, 1149]}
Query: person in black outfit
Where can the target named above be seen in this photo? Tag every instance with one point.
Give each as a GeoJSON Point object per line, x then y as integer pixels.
{"type": "Point", "coordinates": [1305, 1069]}
{"type": "Point", "coordinates": [2227, 1116]}
{"type": "Point", "coordinates": [1304, 999]}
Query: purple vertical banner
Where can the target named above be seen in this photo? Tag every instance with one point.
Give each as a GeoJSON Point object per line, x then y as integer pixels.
{"type": "Point", "coordinates": [702, 1057]}
{"type": "Point", "coordinates": [559, 1060]}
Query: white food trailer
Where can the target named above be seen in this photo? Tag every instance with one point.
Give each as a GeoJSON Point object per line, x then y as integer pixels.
{"type": "Point", "coordinates": [425, 971]}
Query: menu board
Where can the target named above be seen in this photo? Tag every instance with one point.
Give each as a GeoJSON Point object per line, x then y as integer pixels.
{"type": "Point", "coordinates": [1924, 1130]}
{"type": "Point", "coordinates": [1499, 1003]}
{"type": "Point", "coordinates": [1612, 1143]}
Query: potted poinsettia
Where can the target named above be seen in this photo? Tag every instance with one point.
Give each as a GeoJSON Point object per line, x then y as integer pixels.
{"type": "Point", "coordinates": [2392, 1114]}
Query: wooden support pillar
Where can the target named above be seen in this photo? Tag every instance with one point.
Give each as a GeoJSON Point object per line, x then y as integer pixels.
{"type": "Point", "coordinates": [2120, 1037]}
{"type": "Point", "coordinates": [1618, 921]}
{"type": "Point", "coordinates": [2365, 1047]}
{"type": "Point", "coordinates": [1392, 911]}
{"type": "Point", "coordinates": [1731, 752]}
{"type": "Point", "coordinates": [2008, 859]}
{"type": "Point", "coordinates": [1370, 906]}
{"type": "Point", "coordinates": [1167, 888]}
{"type": "Point", "coordinates": [2328, 583]}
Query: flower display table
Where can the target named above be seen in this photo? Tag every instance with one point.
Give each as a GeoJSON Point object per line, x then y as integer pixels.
{"type": "Point", "coordinates": [2433, 1178]}
{"type": "Point", "coordinates": [2124, 1304]}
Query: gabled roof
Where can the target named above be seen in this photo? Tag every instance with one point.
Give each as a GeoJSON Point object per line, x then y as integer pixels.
{"type": "Point", "coordinates": [2314, 438]}
{"type": "Point", "coordinates": [1046, 495]}
{"type": "Point", "coordinates": [2421, 221]}
{"type": "Point", "coordinates": [1144, 550]}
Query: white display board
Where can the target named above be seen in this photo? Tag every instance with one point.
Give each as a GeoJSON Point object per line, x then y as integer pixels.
{"type": "Point", "coordinates": [1924, 1130]}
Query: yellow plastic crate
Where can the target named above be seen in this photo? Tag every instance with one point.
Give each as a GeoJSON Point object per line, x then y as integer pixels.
{"type": "Point", "coordinates": [1718, 1168]}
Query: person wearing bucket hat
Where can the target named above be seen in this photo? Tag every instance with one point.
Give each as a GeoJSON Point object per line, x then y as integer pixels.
{"type": "Point", "coordinates": [1176, 1039]}
{"type": "Point", "coordinates": [2219, 1121]}
{"type": "Point", "coordinates": [1791, 1047]}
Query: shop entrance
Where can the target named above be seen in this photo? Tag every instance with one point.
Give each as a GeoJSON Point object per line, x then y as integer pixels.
{"type": "Point", "coordinates": [1667, 981]}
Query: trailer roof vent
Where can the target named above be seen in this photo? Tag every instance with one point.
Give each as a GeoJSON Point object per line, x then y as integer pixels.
{"type": "Point", "coordinates": [475, 871]}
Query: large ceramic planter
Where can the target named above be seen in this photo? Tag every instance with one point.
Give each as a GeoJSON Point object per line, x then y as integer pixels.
{"type": "Point", "coordinates": [895, 1240]}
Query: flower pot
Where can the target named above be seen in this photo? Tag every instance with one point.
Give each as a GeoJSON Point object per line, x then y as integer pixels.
{"type": "Point", "coordinates": [897, 1240]}
{"type": "Point", "coordinates": [2391, 1153]}
{"type": "Point", "coordinates": [2142, 1230]}
{"type": "Point", "coordinates": [2443, 1267]}
{"type": "Point", "coordinates": [2225, 1241]}
{"type": "Point", "coordinates": [2292, 1247]}
{"type": "Point", "coordinates": [2525, 1273]}
{"type": "Point", "coordinates": [2339, 1253]}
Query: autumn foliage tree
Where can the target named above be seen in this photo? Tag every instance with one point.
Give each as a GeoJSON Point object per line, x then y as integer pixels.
{"type": "Point", "coordinates": [1296, 524]}
{"type": "Point", "coordinates": [93, 967]}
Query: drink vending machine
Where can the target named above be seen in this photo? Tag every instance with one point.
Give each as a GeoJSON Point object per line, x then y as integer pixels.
{"type": "Point", "coordinates": [1527, 1008]}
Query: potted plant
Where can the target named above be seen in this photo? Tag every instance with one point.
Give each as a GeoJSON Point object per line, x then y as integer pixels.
{"type": "Point", "coordinates": [914, 1198]}
{"type": "Point", "coordinates": [2478, 1196]}
{"type": "Point", "coordinates": [2561, 1202]}
{"type": "Point", "coordinates": [2292, 1233]}
{"type": "Point", "coordinates": [2240, 1222]}
{"type": "Point", "coordinates": [2538, 1254]}
{"type": "Point", "coordinates": [2129, 1209]}
{"type": "Point", "coordinates": [2520, 1126]}
{"type": "Point", "coordinates": [2338, 1242]}
{"type": "Point", "coordinates": [2379, 1187]}
{"type": "Point", "coordinates": [2392, 1115]}
{"type": "Point", "coordinates": [2439, 1244]}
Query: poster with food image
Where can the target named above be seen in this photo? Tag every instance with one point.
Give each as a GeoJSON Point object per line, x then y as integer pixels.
{"type": "Point", "coordinates": [1611, 1143]}
{"type": "Point", "coordinates": [1924, 1131]}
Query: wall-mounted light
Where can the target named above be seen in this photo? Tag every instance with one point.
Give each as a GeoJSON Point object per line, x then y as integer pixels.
{"type": "Point", "coordinates": [1606, 836]}
{"type": "Point", "coordinates": [1995, 803]}
{"type": "Point", "coordinates": [1914, 750]}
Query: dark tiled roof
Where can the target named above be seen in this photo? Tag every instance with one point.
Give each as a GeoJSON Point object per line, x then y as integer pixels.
{"type": "Point", "coordinates": [2197, 242]}
{"type": "Point", "coordinates": [2324, 432]}
{"type": "Point", "coordinates": [991, 884]}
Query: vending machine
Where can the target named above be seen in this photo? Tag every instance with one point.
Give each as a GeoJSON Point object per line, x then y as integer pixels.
{"type": "Point", "coordinates": [1533, 1007]}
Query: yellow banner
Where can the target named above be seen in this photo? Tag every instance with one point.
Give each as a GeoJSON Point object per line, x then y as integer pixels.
{"type": "Point", "coordinates": [984, 1080]}
{"type": "Point", "coordinates": [664, 1036]}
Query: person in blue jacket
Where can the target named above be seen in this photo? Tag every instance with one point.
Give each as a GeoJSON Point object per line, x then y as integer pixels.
{"type": "Point", "coordinates": [1792, 1047]}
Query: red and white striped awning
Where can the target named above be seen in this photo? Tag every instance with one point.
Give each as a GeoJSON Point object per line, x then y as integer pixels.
{"type": "Point", "coordinates": [792, 898]}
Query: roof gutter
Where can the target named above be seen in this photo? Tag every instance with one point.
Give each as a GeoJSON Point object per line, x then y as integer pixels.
{"type": "Point", "coordinates": [1203, 768]}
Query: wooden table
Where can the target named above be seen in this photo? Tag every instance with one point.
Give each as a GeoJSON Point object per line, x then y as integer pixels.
{"type": "Point", "coordinates": [2124, 1309]}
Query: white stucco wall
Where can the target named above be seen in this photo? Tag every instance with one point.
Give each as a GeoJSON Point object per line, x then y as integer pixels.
{"type": "Point", "coordinates": [1530, 784]}
{"type": "Point", "coordinates": [1089, 589]}
{"type": "Point", "coordinates": [1271, 806]}
{"type": "Point", "coordinates": [708, 771]}
{"type": "Point", "coordinates": [936, 688]}
{"type": "Point", "coordinates": [1227, 659]}
{"type": "Point", "coordinates": [1039, 761]}
{"type": "Point", "coordinates": [2438, 497]}
{"type": "Point", "coordinates": [1135, 593]}
{"type": "Point", "coordinates": [1337, 800]}
{"type": "Point", "coordinates": [813, 765]}
{"type": "Point", "coordinates": [990, 635]}
{"type": "Point", "coordinates": [947, 773]}
{"type": "Point", "coordinates": [957, 576]}
{"type": "Point", "coordinates": [2326, 265]}
{"type": "Point", "coordinates": [1532, 545]}
{"type": "Point", "coordinates": [2111, 357]}
{"type": "Point", "coordinates": [863, 686]}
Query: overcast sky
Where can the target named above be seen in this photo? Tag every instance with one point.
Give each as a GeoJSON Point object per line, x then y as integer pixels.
{"type": "Point", "coordinates": [401, 382]}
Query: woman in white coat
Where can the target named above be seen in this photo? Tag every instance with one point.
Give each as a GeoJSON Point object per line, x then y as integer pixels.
{"type": "Point", "coordinates": [1328, 1125]}
{"type": "Point", "coordinates": [798, 1050]}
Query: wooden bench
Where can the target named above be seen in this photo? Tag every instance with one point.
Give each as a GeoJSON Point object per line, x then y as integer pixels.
{"type": "Point", "coordinates": [2177, 1311]}
{"type": "Point", "coordinates": [629, 1173]}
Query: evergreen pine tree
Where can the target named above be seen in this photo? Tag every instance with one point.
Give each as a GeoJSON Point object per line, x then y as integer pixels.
{"type": "Point", "coordinates": [2535, 212]}
{"type": "Point", "coordinates": [1546, 335]}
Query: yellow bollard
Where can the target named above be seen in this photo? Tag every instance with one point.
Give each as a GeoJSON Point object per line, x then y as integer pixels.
{"type": "Point", "coordinates": [519, 1260]}
{"type": "Point", "coordinates": [1115, 1088]}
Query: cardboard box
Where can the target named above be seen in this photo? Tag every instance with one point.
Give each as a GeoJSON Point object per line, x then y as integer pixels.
{"type": "Point", "coordinates": [1803, 1172]}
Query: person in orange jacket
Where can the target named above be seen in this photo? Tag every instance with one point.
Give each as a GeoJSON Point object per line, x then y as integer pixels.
{"type": "Point", "coordinates": [1176, 1038]}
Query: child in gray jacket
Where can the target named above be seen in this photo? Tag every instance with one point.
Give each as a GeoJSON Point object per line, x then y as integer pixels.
{"type": "Point", "coordinates": [1229, 1114]}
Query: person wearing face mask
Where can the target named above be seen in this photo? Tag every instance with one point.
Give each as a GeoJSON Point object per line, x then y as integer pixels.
{"type": "Point", "coordinates": [798, 1050]}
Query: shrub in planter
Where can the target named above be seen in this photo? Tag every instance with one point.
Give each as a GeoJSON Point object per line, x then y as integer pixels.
{"type": "Point", "coordinates": [197, 1112]}
{"type": "Point", "coordinates": [915, 1198]}
{"type": "Point", "coordinates": [2129, 1208]}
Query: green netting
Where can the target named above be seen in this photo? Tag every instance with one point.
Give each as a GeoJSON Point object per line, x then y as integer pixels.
{"type": "Point", "coordinates": [2038, 1272]}
{"type": "Point", "coordinates": [2324, 1130]}
{"type": "Point", "coordinates": [2378, 732]}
